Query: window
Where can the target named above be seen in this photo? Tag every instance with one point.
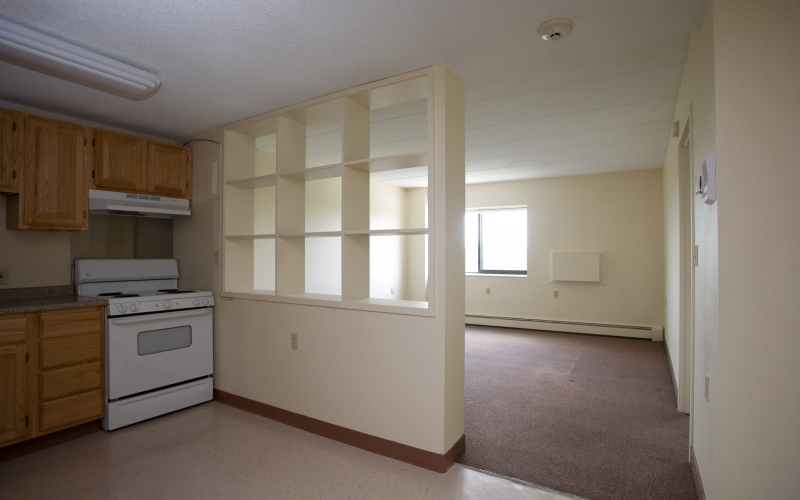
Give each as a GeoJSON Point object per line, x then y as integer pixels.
{"type": "Point", "coordinates": [496, 241]}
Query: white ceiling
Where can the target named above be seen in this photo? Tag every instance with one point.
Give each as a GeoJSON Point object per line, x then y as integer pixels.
{"type": "Point", "coordinates": [599, 100]}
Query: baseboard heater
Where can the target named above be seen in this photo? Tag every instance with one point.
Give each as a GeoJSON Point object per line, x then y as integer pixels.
{"type": "Point", "coordinates": [655, 333]}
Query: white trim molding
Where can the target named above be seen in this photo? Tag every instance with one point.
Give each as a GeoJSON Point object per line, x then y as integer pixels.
{"type": "Point", "coordinates": [654, 333]}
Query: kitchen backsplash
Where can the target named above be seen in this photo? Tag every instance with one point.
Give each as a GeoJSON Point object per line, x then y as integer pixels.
{"type": "Point", "coordinates": [117, 237]}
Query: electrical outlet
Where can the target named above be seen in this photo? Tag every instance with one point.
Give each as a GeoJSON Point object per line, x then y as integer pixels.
{"type": "Point", "coordinates": [706, 387]}
{"type": "Point", "coordinates": [3, 276]}
{"type": "Point", "coordinates": [294, 341]}
{"type": "Point", "coordinates": [216, 257]}
{"type": "Point", "coordinates": [488, 291]}
{"type": "Point", "coordinates": [555, 294]}
{"type": "Point", "coordinates": [392, 290]}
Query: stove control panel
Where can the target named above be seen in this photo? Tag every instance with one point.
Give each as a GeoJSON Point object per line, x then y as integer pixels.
{"type": "Point", "coordinates": [140, 305]}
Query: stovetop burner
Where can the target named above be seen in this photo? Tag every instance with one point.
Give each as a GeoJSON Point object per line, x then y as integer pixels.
{"type": "Point", "coordinates": [174, 290]}
{"type": "Point", "coordinates": [118, 295]}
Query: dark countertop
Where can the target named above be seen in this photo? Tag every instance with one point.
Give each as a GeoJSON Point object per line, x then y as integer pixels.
{"type": "Point", "coordinates": [28, 300]}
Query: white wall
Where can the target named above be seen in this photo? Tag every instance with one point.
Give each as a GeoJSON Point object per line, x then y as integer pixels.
{"type": "Point", "coordinates": [395, 376]}
{"type": "Point", "coordinates": [758, 160]}
{"type": "Point", "coordinates": [696, 99]}
{"type": "Point", "coordinates": [619, 214]}
{"type": "Point", "coordinates": [696, 103]}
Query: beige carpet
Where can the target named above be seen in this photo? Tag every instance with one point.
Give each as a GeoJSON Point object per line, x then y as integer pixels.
{"type": "Point", "coordinates": [587, 415]}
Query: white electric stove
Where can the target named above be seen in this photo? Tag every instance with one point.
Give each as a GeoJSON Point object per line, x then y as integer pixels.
{"type": "Point", "coordinates": [159, 338]}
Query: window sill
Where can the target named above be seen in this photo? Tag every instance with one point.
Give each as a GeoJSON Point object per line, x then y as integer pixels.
{"type": "Point", "coordinates": [498, 275]}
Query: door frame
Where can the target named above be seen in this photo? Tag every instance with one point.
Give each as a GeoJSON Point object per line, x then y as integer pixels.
{"type": "Point", "coordinates": [687, 279]}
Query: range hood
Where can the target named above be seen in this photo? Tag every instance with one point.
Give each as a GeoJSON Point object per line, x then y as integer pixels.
{"type": "Point", "coordinates": [138, 205]}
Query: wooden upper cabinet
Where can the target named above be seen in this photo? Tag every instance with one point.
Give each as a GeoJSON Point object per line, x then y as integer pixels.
{"type": "Point", "coordinates": [54, 194]}
{"type": "Point", "coordinates": [170, 170]}
{"type": "Point", "coordinates": [120, 161]}
{"type": "Point", "coordinates": [11, 149]}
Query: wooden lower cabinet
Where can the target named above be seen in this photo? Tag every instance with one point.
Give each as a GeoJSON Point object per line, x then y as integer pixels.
{"type": "Point", "coordinates": [14, 331]}
{"type": "Point", "coordinates": [12, 393]}
{"type": "Point", "coordinates": [52, 372]}
{"type": "Point", "coordinates": [72, 410]}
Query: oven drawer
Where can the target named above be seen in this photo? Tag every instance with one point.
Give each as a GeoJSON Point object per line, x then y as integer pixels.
{"type": "Point", "coordinates": [71, 410]}
{"type": "Point", "coordinates": [71, 380]}
{"type": "Point", "coordinates": [72, 322]}
{"type": "Point", "coordinates": [13, 330]}
{"type": "Point", "coordinates": [71, 350]}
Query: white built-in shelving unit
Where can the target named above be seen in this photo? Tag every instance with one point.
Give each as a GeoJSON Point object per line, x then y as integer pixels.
{"type": "Point", "coordinates": [326, 203]}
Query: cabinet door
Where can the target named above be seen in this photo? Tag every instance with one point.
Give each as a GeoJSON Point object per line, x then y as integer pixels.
{"type": "Point", "coordinates": [169, 170]}
{"type": "Point", "coordinates": [10, 150]}
{"type": "Point", "coordinates": [53, 193]}
{"type": "Point", "coordinates": [12, 393]}
{"type": "Point", "coordinates": [120, 161]}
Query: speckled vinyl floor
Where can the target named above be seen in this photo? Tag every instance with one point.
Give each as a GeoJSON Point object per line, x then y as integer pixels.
{"type": "Point", "coordinates": [214, 451]}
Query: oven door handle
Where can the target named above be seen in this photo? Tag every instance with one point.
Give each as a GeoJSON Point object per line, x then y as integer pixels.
{"type": "Point", "coordinates": [160, 316]}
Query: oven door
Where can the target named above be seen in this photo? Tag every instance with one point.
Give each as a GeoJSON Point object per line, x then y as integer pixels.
{"type": "Point", "coordinates": [155, 350]}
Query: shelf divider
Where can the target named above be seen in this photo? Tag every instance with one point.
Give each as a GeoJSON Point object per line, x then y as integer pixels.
{"type": "Point", "coordinates": [355, 201]}
{"type": "Point", "coordinates": [258, 182]}
{"type": "Point", "coordinates": [316, 173]}
{"type": "Point", "coordinates": [290, 208]}
{"type": "Point", "coordinates": [392, 162]}
{"type": "Point", "coordinates": [250, 237]}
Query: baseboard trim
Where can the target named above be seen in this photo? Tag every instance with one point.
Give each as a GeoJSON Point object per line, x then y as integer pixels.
{"type": "Point", "coordinates": [48, 440]}
{"type": "Point", "coordinates": [698, 481]}
{"type": "Point", "coordinates": [655, 333]}
{"type": "Point", "coordinates": [398, 451]}
{"type": "Point", "coordinates": [672, 375]}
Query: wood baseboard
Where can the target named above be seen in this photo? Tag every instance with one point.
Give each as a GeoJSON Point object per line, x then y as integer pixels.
{"type": "Point", "coordinates": [698, 481]}
{"type": "Point", "coordinates": [404, 453]}
{"type": "Point", "coordinates": [48, 440]}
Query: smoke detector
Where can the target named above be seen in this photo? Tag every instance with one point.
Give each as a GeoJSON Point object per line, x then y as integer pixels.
{"type": "Point", "coordinates": [555, 29]}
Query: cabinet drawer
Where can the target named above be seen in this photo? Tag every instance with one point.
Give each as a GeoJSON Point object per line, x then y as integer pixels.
{"type": "Point", "coordinates": [71, 410]}
{"type": "Point", "coordinates": [12, 330]}
{"type": "Point", "coordinates": [71, 322]}
{"type": "Point", "coordinates": [71, 350]}
{"type": "Point", "coordinates": [71, 380]}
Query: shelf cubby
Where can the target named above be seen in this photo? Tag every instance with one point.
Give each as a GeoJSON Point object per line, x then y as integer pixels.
{"type": "Point", "coordinates": [323, 265]}
{"type": "Point", "coordinates": [398, 267]}
{"type": "Point", "coordinates": [316, 205]}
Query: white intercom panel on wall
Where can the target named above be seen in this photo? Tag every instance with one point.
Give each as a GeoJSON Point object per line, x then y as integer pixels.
{"type": "Point", "coordinates": [709, 180]}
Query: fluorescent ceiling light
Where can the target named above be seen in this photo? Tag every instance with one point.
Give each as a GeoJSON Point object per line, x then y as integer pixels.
{"type": "Point", "coordinates": [40, 52]}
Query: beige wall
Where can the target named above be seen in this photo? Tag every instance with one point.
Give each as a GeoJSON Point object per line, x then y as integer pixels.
{"type": "Point", "coordinates": [44, 258]}
{"type": "Point", "coordinates": [696, 100]}
{"type": "Point", "coordinates": [33, 258]}
{"type": "Point", "coordinates": [758, 161]}
{"type": "Point", "coordinates": [619, 214]}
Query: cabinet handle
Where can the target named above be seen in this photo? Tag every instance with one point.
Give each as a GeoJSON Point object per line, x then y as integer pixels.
{"type": "Point", "coordinates": [13, 174]}
{"type": "Point", "coordinates": [14, 127]}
